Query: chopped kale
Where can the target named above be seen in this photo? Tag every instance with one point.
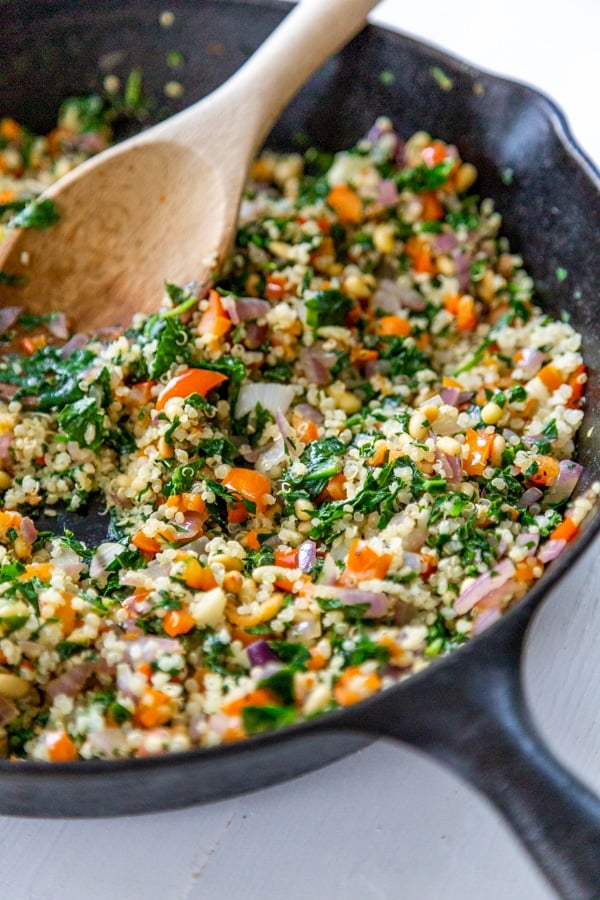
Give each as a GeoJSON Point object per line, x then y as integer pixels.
{"type": "Point", "coordinates": [327, 307]}
{"type": "Point", "coordinates": [265, 718]}
{"type": "Point", "coordinates": [37, 214]}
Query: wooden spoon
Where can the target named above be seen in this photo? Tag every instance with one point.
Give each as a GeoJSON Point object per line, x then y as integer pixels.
{"type": "Point", "coordinates": [162, 206]}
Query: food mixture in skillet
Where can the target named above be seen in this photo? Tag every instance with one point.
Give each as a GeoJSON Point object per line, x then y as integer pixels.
{"type": "Point", "coordinates": [340, 461]}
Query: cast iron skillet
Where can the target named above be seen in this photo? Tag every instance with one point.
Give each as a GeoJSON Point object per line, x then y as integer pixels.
{"type": "Point", "coordinates": [468, 709]}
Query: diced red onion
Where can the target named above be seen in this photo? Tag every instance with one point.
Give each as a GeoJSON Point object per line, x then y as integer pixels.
{"type": "Point", "coordinates": [260, 653]}
{"type": "Point", "coordinates": [107, 741]}
{"type": "Point", "coordinates": [329, 572]}
{"type": "Point", "coordinates": [317, 363]}
{"type": "Point", "coordinates": [445, 242]}
{"type": "Point", "coordinates": [483, 621]}
{"type": "Point", "coordinates": [270, 396]}
{"type": "Point", "coordinates": [57, 325]}
{"type": "Point", "coordinates": [489, 581]}
{"type": "Point", "coordinates": [462, 261]}
{"type": "Point", "coordinates": [8, 317]}
{"type": "Point", "coordinates": [567, 478]}
{"type": "Point", "coordinates": [69, 561]}
{"type": "Point", "coordinates": [377, 604]}
{"type": "Point", "coordinates": [387, 192]}
{"type": "Point", "coordinates": [230, 307]}
{"type": "Point", "coordinates": [391, 297]}
{"type": "Point", "coordinates": [72, 681]}
{"type": "Point", "coordinates": [411, 560]}
{"type": "Point", "coordinates": [453, 396]}
{"type": "Point", "coordinates": [138, 577]}
{"type": "Point", "coordinates": [451, 466]}
{"type": "Point", "coordinates": [250, 308]}
{"type": "Point", "coordinates": [529, 497]}
{"type": "Point", "coordinates": [310, 412]}
{"type": "Point", "coordinates": [75, 343]}
{"type": "Point", "coordinates": [8, 391]}
{"type": "Point", "coordinates": [28, 530]}
{"type": "Point", "coordinates": [136, 604]}
{"type": "Point", "coordinates": [550, 550]}
{"type": "Point", "coordinates": [307, 555]}
{"type": "Point", "coordinates": [528, 539]}
{"type": "Point", "coordinates": [530, 439]}
{"type": "Point", "coordinates": [530, 361]}
{"type": "Point", "coordinates": [304, 632]}
{"type": "Point", "coordinates": [255, 334]}
{"type": "Point", "coordinates": [198, 546]}
{"type": "Point", "coordinates": [269, 456]}
{"type": "Point", "coordinates": [105, 554]}
{"type": "Point", "coordinates": [190, 528]}
{"type": "Point", "coordinates": [289, 436]}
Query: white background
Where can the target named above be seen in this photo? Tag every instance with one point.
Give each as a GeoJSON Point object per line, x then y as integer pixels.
{"type": "Point", "coordinates": [385, 824]}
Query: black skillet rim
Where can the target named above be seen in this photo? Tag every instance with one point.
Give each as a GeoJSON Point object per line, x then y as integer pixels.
{"type": "Point", "coordinates": [337, 720]}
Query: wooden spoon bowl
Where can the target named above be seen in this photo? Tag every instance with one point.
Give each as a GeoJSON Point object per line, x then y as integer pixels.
{"type": "Point", "coordinates": [162, 206]}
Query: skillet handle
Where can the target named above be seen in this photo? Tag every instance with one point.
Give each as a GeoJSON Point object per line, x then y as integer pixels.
{"type": "Point", "coordinates": [471, 715]}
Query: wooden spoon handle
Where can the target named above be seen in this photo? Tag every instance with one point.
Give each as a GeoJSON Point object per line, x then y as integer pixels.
{"type": "Point", "coordinates": [261, 88]}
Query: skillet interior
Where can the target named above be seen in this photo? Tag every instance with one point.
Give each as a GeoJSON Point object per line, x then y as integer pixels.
{"type": "Point", "coordinates": [551, 212]}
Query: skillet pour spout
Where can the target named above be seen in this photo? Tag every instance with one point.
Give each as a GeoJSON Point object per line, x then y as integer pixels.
{"type": "Point", "coordinates": [467, 710]}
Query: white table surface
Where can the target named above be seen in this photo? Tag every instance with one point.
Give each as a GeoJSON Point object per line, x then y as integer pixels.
{"type": "Point", "coordinates": [387, 823]}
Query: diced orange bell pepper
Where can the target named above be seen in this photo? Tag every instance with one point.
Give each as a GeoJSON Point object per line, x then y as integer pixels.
{"type": "Point", "coordinates": [249, 484]}
{"type": "Point", "coordinates": [60, 747]}
{"type": "Point", "coordinates": [188, 382]}
{"type": "Point", "coordinates": [393, 326]}
{"type": "Point", "coordinates": [479, 445]}
{"type": "Point", "coordinates": [177, 621]}
{"type": "Point", "coordinates": [214, 321]}
{"type": "Point", "coordinates": [346, 203]}
{"type": "Point", "coordinates": [364, 564]}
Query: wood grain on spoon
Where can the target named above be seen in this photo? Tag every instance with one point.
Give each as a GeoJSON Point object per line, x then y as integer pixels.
{"type": "Point", "coordinates": [162, 206]}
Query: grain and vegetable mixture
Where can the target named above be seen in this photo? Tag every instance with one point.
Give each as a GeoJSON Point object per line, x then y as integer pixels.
{"type": "Point", "coordinates": [339, 461]}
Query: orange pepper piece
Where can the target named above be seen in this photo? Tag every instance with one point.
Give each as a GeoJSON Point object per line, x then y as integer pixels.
{"type": "Point", "coordinates": [60, 747]}
{"type": "Point", "coordinates": [188, 382]}
{"type": "Point", "coordinates": [346, 203]}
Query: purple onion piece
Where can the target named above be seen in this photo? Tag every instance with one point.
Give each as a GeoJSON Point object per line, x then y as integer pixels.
{"type": "Point", "coordinates": [8, 317]}
{"type": "Point", "coordinates": [377, 604]}
{"type": "Point", "coordinates": [259, 654]}
{"type": "Point", "coordinates": [387, 192]}
{"type": "Point", "coordinates": [57, 326]}
{"type": "Point", "coordinates": [550, 550]}
{"type": "Point", "coordinates": [568, 476]}
{"type": "Point", "coordinates": [453, 396]}
{"type": "Point", "coordinates": [483, 621]}
{"type": "Point", "coordinates": [529, 497]}
{"type": "Point", "coordinates": [530, 540]}
{"type": "Point", "coordinates": [307, 555]}
{"type": "Point", "coordinates": [72, 681]}
{"type": "Point", "coordinates": [445, 242]}
{"type": "Point", "coordinates": [451, 466]}
{"type": "Point", "coordinates": [317, 363]}
{"type": "Point", "coordinates": [490, 581]}
{"type": "Point", "coordinates": [75, 343]}
{"type": "Point", "coordinates": [29, 532]}
{"type": "Point", "coordinates": [310, 412]}
{"type": "Point", "coordinates": [530, 361]}
{"type": "Point", "coordinates": [249, 308]}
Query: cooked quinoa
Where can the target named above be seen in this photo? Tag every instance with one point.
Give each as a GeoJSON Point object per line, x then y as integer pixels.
{"type": "Point", "coordinates": [344, 457]}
